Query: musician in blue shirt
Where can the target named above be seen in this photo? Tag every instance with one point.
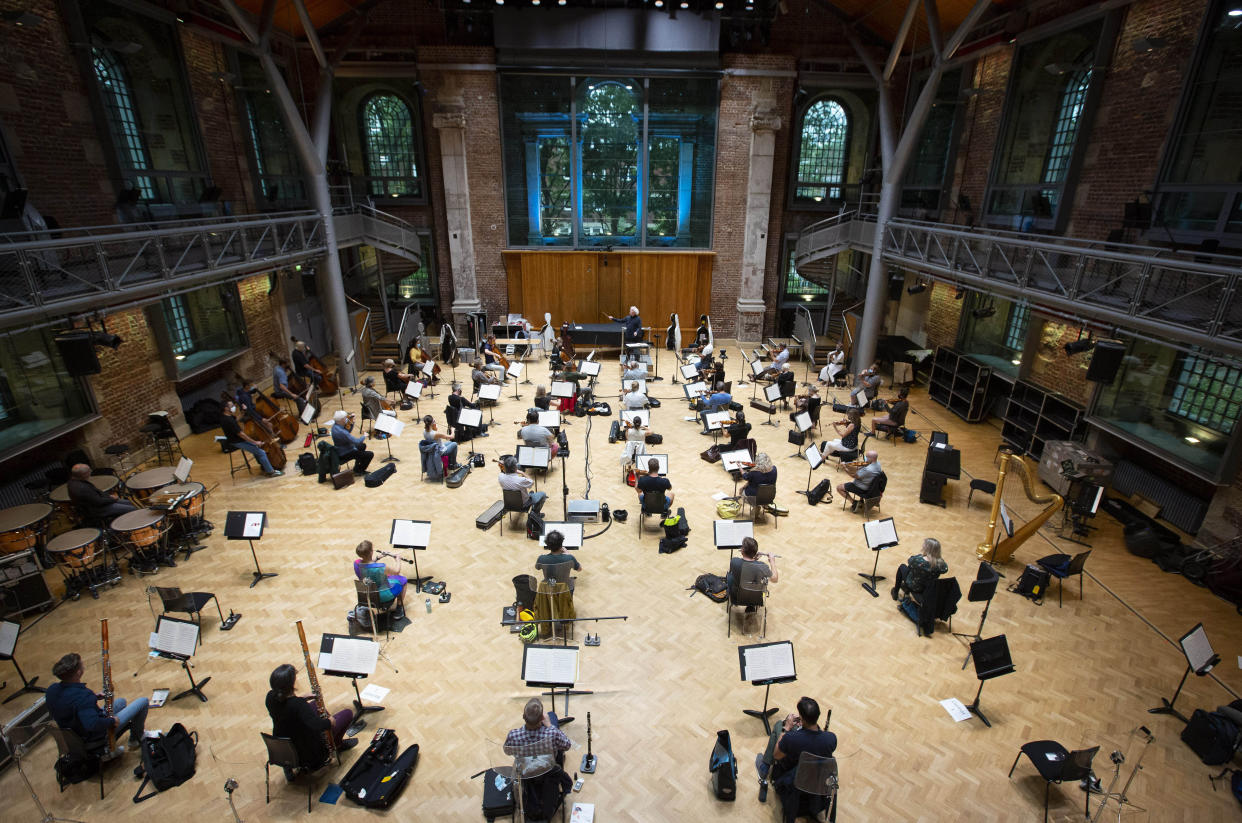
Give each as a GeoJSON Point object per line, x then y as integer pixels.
{"type": "Point", "coordinates": [633, 332]}
{"type": "Point", "coordinates": [280, 384]}
{"type": "Point", "coordinates": [348, 446]}
{"type": "Point", "coordinates": [717, 401]}
{"type": "Point", "coordinates": [75, 707]}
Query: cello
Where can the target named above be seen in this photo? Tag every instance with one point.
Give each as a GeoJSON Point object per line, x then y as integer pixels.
{"type": "Point", "coordinates": [283, 424]}
{"type": "Point", "coordinates": [328, 384]}
{"type": "Point", "coordinates": [262, 433]}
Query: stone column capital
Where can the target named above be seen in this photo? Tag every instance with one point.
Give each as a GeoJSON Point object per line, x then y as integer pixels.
{"type": "Point", "coordinates": [455, 119]}
{"type": "Point", "coordinates": [762, 121]}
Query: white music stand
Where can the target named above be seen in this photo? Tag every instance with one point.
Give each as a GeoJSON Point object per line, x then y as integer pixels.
{"type": "Point", "coordinates": [490, 391]}
{"type": "Point", "coordinates": [642, 386]}
{"type": "Point", "coordinates": [571, 531]}
{"type": "Point", "coordinates": [414, 390]}
{"type": "Point", "coordinates": [728, 534]}
{"type": "Point", "coordinates": [880, 534]}
{"type": "Point", "coordinates": [550, 419]}
{"type": "Point", "coordinates": [628, 415]}
{"type": "Point", "coordinates": [343, 656]}
{"type": "Point", "coordinates": [690, 371]}
{"type": "Point", "coordinates": [388, 423]}
{"type": "Point", "coordinates": [695, 390]}
{"type": "Point", "coordinates": [554, 667]}
{"type": "Point", "coordinates": [662, 459]}
{"type": "Point", "coordinates": [248, 526]}
{"type": "Point", "coordinates": [589, 367]}
{"type": "Point", "coordinates": [534, 457]}
{"type": "Point", "coordinates": [562, 389]}
{"type": "Point", "coordinates": [414, 535]}
{"type": "Point", "coordinates": [716, 420]}
{"type": "Point", "coordinates": [764, 664]}
{"type": "Point", "coordinates": [178, 640]}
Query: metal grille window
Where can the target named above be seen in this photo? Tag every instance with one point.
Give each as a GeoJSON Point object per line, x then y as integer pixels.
{"type": "Point", "coordinates": [797, 285]}
{"type": "Point", "coordinates": [388, 138]}
{"type": "Point", "coordinates": [123, 116]}
{"type": "Point", "coordinates": [179, 331]}
{"type": "Point", "coordinates": [663, 186]}
{"type": "Point", "coordinates": [1069, 111]}
{"type": "Point", "coordinates": [822, 152]}
{"type": "Point", "coordinates": [1015, 330]}
{"type": "Point", "coordinates": [1208, 392]}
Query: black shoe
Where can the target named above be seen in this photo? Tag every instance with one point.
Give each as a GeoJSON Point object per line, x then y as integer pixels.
{"type": "Point", "coordinates": [347, 744]}
{"type": "Point", "coordinates": [893, 592]}
{"type": "Point", "coordinates": [854, 506]}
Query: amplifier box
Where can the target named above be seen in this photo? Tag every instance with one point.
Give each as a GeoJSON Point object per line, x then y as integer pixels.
{"type": "Point", "coordinates": [583, 511]}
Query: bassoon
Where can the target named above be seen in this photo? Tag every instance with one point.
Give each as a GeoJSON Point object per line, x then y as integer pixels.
{"type": "Point", "coordinates": [108, 692]}
{"type": "Point", "coordinates": [314, 684]}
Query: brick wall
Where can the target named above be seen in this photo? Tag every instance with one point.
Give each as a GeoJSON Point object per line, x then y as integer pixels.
{"type": "Point", "coordinates": [226, 145]}
{"type": "Point", "coordinates": [1050, 367]}
{"type": "Point", "coordinates": [944, 314]}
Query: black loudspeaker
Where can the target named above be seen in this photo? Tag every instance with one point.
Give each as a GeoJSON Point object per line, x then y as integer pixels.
{"type": "Point", "coordinates": [930, 490]}
{"type": "Point", "coordinates": [1105, 361]}
{"type": "Point", "coordinates": [77, 349]}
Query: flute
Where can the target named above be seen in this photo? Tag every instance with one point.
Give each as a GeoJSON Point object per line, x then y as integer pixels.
{"type": "Point", "coordinates": [315, 690]}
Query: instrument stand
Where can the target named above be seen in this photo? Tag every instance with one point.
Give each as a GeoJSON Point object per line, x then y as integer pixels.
{"type": "Point", "coordinates": [258, 572]}
{"type": "Point", "coordinates": [551, 693]}
{"type": "Point", "coordinates": [1165, 707]}
{"type": "Point", "coordinates": [766, 712]}
{"type": "Point", "coordinates": [195, 688]}
{"type": "Point", "coordinates": [28, 686]}
{"type": "Point", "coordinates": [1122, 797]}
{"type": "Point", "coordinates": [45, 816]}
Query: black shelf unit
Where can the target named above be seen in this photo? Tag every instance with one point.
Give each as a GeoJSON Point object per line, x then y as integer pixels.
{"type": "Point", "coordinates": [960, 384]}
{"type": "Point", "coordinates": [1034, 415]}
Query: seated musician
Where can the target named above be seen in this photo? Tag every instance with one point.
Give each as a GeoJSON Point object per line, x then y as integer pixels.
{"type": "Point", "coordinates": [415, 360]}
{"type": "Point", "coordinates": [301, 363]}
{"type": "Point", "coordinates": [834, 366]}
{"type": "Point", "coordinates": [847, 434]}
{"type": "Point", "coordinates": [799, 733]}
{"type": "Point", "coordinates": [91, 502]}
{"type": "Point", "coordinates": [718, 400]}
{"type": "Point", "coordinates": [707, 366]}
{"type": "Point", "coordinates": [866, 386]}
{"type": "Point", "coordinates": [480, 375]}
{"type": "Point", "coordinates": [446, 447]}
{"type": "Point", "coordinates": [763, 474]}
{"type": "Point", "coordinates": [533, 434]}
{"type": "Point", "coordinates": [780, 359]}
{"type": "Point", "coordinates": [635, 441]}
{"type": "Point", "coordinates": [653, 482]}
{"type": "Point", "coordinates": [491, 361]}
{"type": "Point", "coordinates": [555, 542]}
{"type": "Point", "coordinates": [542, 401]}
{"type": "Point", "coordinates": [634, 371]}
{"type": "Point", "coordinates": [896, 417]}
{"type": "Point", "coordinates": [511, 478]}
{"type": "Point", "coordinates": [539, 733]}
{"type": "Point", "coordinates": [296, 718]}
{"type": "Point", "coordinates": [920, 570]}
{"type": "Point", "coordinates": [633, 399]}
{"type": "Point", "coordinates": [809, 403]}
{"type": "Point", "coordinates": [395, 380]}
{"type": "Point", "coordinates": [348, 446]}
{"type": "Point", "coordinates": [785, 379]}
{"type": "Point", "coordinates": [371, 399]}
{"type": "Point", "coordinates": [234, 436]}
{"type": "Point", "coordinates": [280, 384]}
{"type": "Point", "coordinates": [864, 476]}
{"type": "Point", "coordinates": [245, 400]}
{"type": "Point", "coordinates": [457, 402]}
{"type": "Point", "coordinates": [750, 556]}
{"type": "Point", "coordinates": [739, 430]}
{"type": "Point", "coordinates": [389, 583]}
{"type": "Point", "coordinates": [75, 707]}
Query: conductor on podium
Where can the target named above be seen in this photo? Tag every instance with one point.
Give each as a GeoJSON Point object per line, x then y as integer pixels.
{"type": "Point", "coordinates": [633, 332]}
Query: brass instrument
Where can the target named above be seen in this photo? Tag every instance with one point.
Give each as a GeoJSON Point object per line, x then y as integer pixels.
{"type": "Point", "coordinates": [108, 693]}
{"type": "Point", "coordinates": [993, 551]}
{"type": "Point", "coordinates": [314, 684]}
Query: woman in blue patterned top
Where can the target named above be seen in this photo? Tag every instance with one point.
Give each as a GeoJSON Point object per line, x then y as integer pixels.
{"type": "Point", "coordinates": [391, 585]}
{"type": "Point", "coordinates": [920, 570]}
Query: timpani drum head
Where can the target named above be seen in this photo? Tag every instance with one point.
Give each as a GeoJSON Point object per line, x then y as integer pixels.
{"type": "Point", "coordinates": [151, 479]}
{"type": "Point", "coordinates": [135, 520]}
{"type": "Point", "coordinates": [74, 548]}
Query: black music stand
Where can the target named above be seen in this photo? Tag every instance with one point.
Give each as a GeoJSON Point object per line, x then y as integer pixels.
{"type": "Point", "coordinates": [177, 639]}
{"type": "Point", "coordinates": [813, 461]}
{"type": "Point", "coordinates": [880, 534]}
{"type": "Point", "coordinates": [8, 644]}
{"type": "Point", "coordinates": [248, 526]}
{"type": "Point", "coordinates": [391, 427]}
{"type": "Point", "coordinates": [534, 457]}
{"type": "Point", "coordinates": [429, 369]}
{"type": "Point", "coordinates": [493, 394]}
{"type": "Point", "coordinates": [414, 535]}
{"type": "Point", "coordinates": [771, 393]}
{"type": "Point", "coordinates": [991, 660]}
{"type": "Point", "coordinates": [554, 667]}
{"type": "Point", "coordinates": [413, 391]}
{"type": "Point", "coordinates": [359, 657]}
{"type": "Point", "coordinates": [764, 664]}
{"type": "Point", "coordinates": [471, 420]}
{"type": "Point", "coordinates": [1199, 658]}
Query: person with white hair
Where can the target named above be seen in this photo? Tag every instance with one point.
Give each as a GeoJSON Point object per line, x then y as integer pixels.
{"type": "Point", "coordinates": [514, 479]}
{"type": "Point", "coordinates": [633, 331]}
{"type": "Point", "coordinates": [348, 446]}
{"type": "Point", "coordinates": [634, 371]}
{"type": "Point", "coordinates": [864, 476]}
{"type": "Point", "coordinates": [834, 366]}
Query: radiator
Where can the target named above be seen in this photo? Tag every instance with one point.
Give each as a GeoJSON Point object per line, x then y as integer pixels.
{"type": "Point", "coordinates": [15, 493]}
{"type": "Point", "coordinates": [1182, 509]}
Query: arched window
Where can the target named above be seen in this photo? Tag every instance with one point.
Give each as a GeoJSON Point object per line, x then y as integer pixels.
{"type": "Point", "coordinates": [1065, 130]}
{"type": "Point", "coordinates": [388, 145]}
{"type": "Point", "coordinates": [123, 116]}
{"type": "Point", "coordinates": [822, 151]}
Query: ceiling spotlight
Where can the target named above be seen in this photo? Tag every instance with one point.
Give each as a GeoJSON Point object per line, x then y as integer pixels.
{"type": "Point", "coordinates": [1079, 346]}
{"type": "Point", "coordinates": [719, 5]}
{"type": "Point", "coordinates": [984, 311]}
{"type": "Point", "coordinates": [917, 288]}
{"type": "Point", "coordinates": [21, 18]}
{"type": "Point", "coordinates": [534, 2]}
{"type": "Point", "coordinates": [685, 4]}
{"type": "Point", "coordinates": [959, 293]}
{"type": "Point", "coordinates": [1235, 12]}
{"type": "Point", "coordinates": [659, 4]}
{"type": "Point", "coordinates": [1191, 440]}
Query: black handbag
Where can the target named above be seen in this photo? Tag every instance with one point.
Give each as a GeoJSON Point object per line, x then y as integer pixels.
{"type": "Point", "coordinates": [797, 438]}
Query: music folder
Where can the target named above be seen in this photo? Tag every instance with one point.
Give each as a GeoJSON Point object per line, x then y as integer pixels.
{"type": "Point", "coordinates": [693, 390]}
{"type": "Point", "coordinates": [178, 638]}
{"type": "Point", "coordinates": [729, 533]}
{"type": "Point", "coordinates": [410, 534]}
{"type": "Point", "coordinates": [561, 388]}
{"type": "Point", "coordinates": [716, 420]}
{"type": "Point", "coordinates": [1198, 650]}
{"type": "Point", "coordinates": [766, 663]}
{"type": "Point", "coordinates": [413, 389]}
{"type": "Point", "coordinates": [628, 415]}
{"type": "Point", "coordinates": [642, 386]}
{"type": "Point", "coordinates": [348, 656]}
{"type": "Point", "coordinates": [572, 532]}
{"type": "Point", "coordinates": [8, 638]}
{"type": "Point", "coordinates": [550, 419]}
{"type": "Point", "coordinates": [772, 392]}
{"type": "Point", "coordinates": [803, 421]}
{"type": "Point", "coordinates": [489, 391]}
{"type": "Point", "coordinates": [880, 534]}
{"type": "Point", "coordinates": [388, 423]}
{"type": "Point", "coordinates": [514, 370]}
{"type": "Point", "coordinates": [757, 367]}
{"type": "Point", "coordinates": [550, 665]}
{"type": "Point", "coordinates": [734, 460]}
{"type": "Point", "coordinates": [244, 525]}
{"type": "Point", "coordinates": [533, 457]}
{"type": "Point", "coordinates": [308, 413]}
{"type": "Point", "coordinates": [589, 368]}
{"type": "Point", "coordinates": [472, 418]}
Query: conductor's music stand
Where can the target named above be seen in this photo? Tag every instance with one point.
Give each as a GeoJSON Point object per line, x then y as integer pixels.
{"type": "Point", "coordinates": [177, 639]}
{"type": "Point", "coordinates": [8, 644]}
{"type": "Point", "coordinates": [248, 526]}
{"type": "Point", "coordinates": [764, 664]}
{"type": "Point", "coordinates": [388, 423]}
{"type": "Point", "coordinates": [813, 461]}
{"type": "Point", "coordinates": [991, 660]}
{"type": "Point", "coordinates": [414, 535]}
{"type": "Point", "coordinates": [343, 656]}
{"type": "Point", "coordinates": [880, 534]}
{"type": "Point", "coordinates": [553, 667]}
{"type": "Point", "coordinates": [1199, 658]}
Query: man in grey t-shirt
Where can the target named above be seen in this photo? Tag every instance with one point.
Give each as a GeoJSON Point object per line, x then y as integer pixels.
{"type": "Point", "coordinates": [533, 434]}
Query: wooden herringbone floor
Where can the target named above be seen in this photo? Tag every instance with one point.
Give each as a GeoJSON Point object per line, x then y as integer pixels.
{"type": "Point", "coordinates": [667, 678]}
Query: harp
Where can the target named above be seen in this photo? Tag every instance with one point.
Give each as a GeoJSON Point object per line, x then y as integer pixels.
{"type": "Point", "coordinates": [992, 550]}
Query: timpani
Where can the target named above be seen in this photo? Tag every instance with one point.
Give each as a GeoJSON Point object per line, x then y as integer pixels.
{"type": "Point", "coordinates": [142, 531]}
{"type": "Point", "coordinates": [65, 510]}
{"type": "Point", "coordinates": [23, 527]}
{"type": "Point", "coordinates": [144, 484]}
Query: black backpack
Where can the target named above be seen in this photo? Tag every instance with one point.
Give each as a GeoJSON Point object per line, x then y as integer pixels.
{"type": "Point", "coordinates": [822, 489]}
{"type": "Point", "coordinates": [306, 463]}
{"type": "Point", "coordinates": [1212, 736]}
{"type": "Point", "coordinates": [614, 431]}
{"type": "Point", "coordinates": [715, 587]}
{"type": "Point", "coordinates": [73, 769]}
{"type": "Point", "coordinates": [380, 774]}
{"type": "Point", "coordinates": [676, 525]}
{"type": "Point", "coordinates": [168, 760]}
{"type": "Point", "coordinates": [1032, 584]}
{"type": "Point", "coordinates": [723, 766]}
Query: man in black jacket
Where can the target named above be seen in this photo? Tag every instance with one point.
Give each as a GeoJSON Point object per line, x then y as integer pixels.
{"type": "Point", "coordinates": [92, 502]}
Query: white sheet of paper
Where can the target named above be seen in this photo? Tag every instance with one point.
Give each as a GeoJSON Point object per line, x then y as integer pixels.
{"type": "Point", "coordinates": [628, 415]}
{"type": "Point", "coordinates": [729, 533]}
{"type": "Point", "coordinates": [534, 456]}
{"type": "Point", "coordinates": [572, 532]}
{"type": "Point", "coordinates": [757, 367]}
{"type": "Point", "coordinates": [374, 694]}
{"type": "Point", "coordinates": [880, 532]}
{"type": "Point", "coordinates": [182, 472]}
{"type": "Point", "coordinates": [695, 389]}
{"type": "Point", "coordinates": [561, 388]}
{"type": "Point", "coordinates": [582, 813]}
{"type": "Point", "coordinates": [177, 637]}
{"type": "Point", "coordinates": [803, 421]}
{"type": "Point", "coordinates": [813, 456]}
{"type": "Point", "coordinates": [956, 709]}
{"type": "Point", "coordinates": [253, 526]}
{"type": "Point", "coordinates": [1197, 649]}
{"type": "Point", "coordinates": [590, 369]}
{"type": "Point", "coordinates": [642, 386]}
{"type": "Point", "coordinates": [429, 368]}
{"type": "Point", "coordinates": [690, 372]}
{"type": "Point", "coordinates": [732, 461]}
{"type": "Point", "coordinates": [308, 413]}
{"type": "Point", "coordinates": [470, 417]}
{"type": "Point", "coordinates": [356, 656]}
{"type": "Point", "coordinates": [8, 637]}
{"type": "Point", "coordinates": [514, 370]}
{"type": "Point", "coordinates": [153, 640]}
{"type": "Point", "coordinates": [489, 391]}
{"type": "Point", "coordinates": [555, 665]}
{"type": "Point", "coordinates": [409, 533]}
{"type": "Point", "coordinates": [772, 392]}
{"type": "Point", "coordinates": [642, 459]}
{"type": "Point", "coordinates": [550, 419]}
{"type": "Point", "coordinates": [413, 389]}
{"type": "Point", "coordinates": [389, 424]}
{"type": "Point", "coordinates": [722, 496]}
{"type": "Point", "coordinates": [769, 662]}
{"type": "Point", "coordinates": [716, 420]}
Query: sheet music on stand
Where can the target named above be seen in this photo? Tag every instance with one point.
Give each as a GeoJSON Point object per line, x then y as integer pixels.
{"type": "Point", "coordinates": [348, 655]}
{"type": "Point", "coordinates": [589, 368]}
{"type": "Point", "coordinates": [1196, 647]}
{"type": "Point", "coordinates": [772, 392]}
{"type": "Point", "coordinates": [662, 459]}
{"type": "Point", "coordinates": [550, 665]}
{"type": "Point", "coordinates": [571, 531]}
{"type": "Point", "coordinates": [717, 420]}
{"type": "Point", "coordinates": [765, 663]}
{"type": "Point", "coordinates": [756, 366]}
{"type": "Point", "coordinates": [514, 370]}
{"type": "Point", "coordinates": [429, 368]}
{"type": "Point", "coordinates": [388, 423]}
{"type": "Point", "coordinates": [802, 420]}
{"type": "Point", "coordinates": [880, 534]}
{"type": "Point", "coordinates": [729, 533]}
{"type": "Point", "coordinates": [813, 457]}
{"type": "Point", "coordinates": [690, 371]}
{"type": "Point", "coordinates": [308, 413]}
{"type": "Point", "coordinates": [244, 525]}
{"type": "Point", "coordinates": [175, 637]}
{"type": "Point", "coordinates": [413, 389]}
{"type": "Point", "coordinates": [734, 460]}
{"type": "Point", "coordinates": [489, 391]}
{"type": "Point", "coordinates": [410, 534]}
{"type": "Point", "coordinates": [628, 415]}
{"type": "Point", "coordinates": [550, 419]}
{"type": "Point", "coordinates": [561, 388]}
{"type": "Point", "coordinates": [182, 472]}
{"type": "Point", "coordinates": [472, 418]}
{"type": "Point", "coordinates": [694, 390]}
{"type": "Point", "coordinates": [8, 637]}
{"type": "Point", "coordinates": [534, 457]}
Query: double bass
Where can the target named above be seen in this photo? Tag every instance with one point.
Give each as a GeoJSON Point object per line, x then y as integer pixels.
{"type": "Point", "coordinates": [283, 424]}
{"type": "Point", "coordinates": [328, 384]}
{"type": "Point", "coordinates": [262, 433]}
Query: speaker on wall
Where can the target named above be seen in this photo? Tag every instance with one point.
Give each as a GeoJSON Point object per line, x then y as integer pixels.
{"type": "Point", "coordinates": [1105, 361]}
{"type": "Point", "coordinates": [77, 349]}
